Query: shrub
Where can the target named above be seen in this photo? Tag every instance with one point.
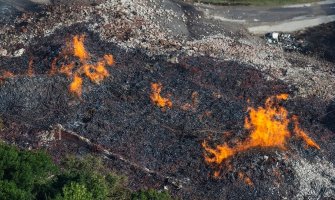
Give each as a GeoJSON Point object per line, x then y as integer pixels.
{"type": "Point", "coordinates": [151, 195]}
{"type": "Point", "coordinates": [91, 173]}
{"type": "Point", "coordinates": [23, 173]}
{"type": "Point", "coordinates": [26, 175]}
{"type": "Point", "coordinates": [75, 191]}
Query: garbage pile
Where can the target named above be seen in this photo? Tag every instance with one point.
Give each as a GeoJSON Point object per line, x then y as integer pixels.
{"type": "Point", "coordinates": [287, 41]}
{"type": "Point", "coordinates": [166, 93]}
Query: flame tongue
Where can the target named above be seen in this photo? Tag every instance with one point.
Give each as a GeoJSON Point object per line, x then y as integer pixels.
{"type": "Point", "coordinates": [79, 48]}
{"type": "Point", "coordinates": [156, 98]}
{"type": "Point", "coordinates": [109, 59]}
{"type": "Point", "coordinates": [76, 85]}
{"type": "Point", "coordinates": [302, 134]}
{"type": "Point", "coordinates": [268, 127]}
{"type": "Point", "coordinates": [96, 72]}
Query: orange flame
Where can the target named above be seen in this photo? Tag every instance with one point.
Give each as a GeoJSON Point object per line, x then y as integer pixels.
{"type": "Point", "coordinates": [79, 48]}
{"type": "Point", "coordinates": [76, 85]}
{"type": "Point", "coordinates": [268, 127]}
{"type": "Point", "coordinates": [157, 99]}
{"type": "Point", "coordinates": [67, 69]}
{"type": "Point", "coordinates": [302, 134]}
{"type": "Point", "coordinates": [96, 72]}
{"type": "Point", "coordinates": [242, 176]}
{"type": "Point", "coordinates": [109, 59]}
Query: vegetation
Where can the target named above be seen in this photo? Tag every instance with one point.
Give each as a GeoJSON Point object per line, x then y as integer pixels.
{"type": "Point", "coordinates": [23, 173]}
{"type": "Point", "coordinates": [254, 2]}
{"type": "Point", "coordinates": [151, 195]}
{"type": "Point", "coordinates": [26, 175]}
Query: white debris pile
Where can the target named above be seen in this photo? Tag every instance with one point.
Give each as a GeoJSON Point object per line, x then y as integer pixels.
{"type": "Point", "coordinates": [135, 24]}
{"type": "Point", "coordinates": [129, 23]}
{"type": "Point", "coordinates": [221, 46]}
{"type": "Point", "coordinates": [160, 27]}
{"type": "Point", "coordinates": [316, 179]}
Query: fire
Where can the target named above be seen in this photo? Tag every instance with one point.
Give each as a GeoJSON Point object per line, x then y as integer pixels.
{"type": "Point", "coordinates": [79, 47]}
{"type": "Point", "coordinates": [6, 75]}
{"type": "Point", "coordinates": [109, 59]}
{"type": "Point", "coordinates": [96, 72]}
{"type": "Point", "coordinates": [76, 85]}
{"type": "Point", "coordinates": [243, 177]}
{"type": "Point", "coordinates": [67, 69]}
{"type": "Point", "coordinates": [302, 134]}
{"type": "Point", "coordinates": [157, 99]}
{"type": "Point", "coordinates": [268, 127]}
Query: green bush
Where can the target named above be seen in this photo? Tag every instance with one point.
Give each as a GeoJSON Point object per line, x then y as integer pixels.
{"type": "Point", "coordinates": [26, 175]}
{"type": "Point", "coordinates": [151, 195]}
{"type": "Point", "coordinates": [23, 173]}
{"type": "Point", "coordinates": [91, 173]}
{"type": "Point", "coordinates": [75, 191]}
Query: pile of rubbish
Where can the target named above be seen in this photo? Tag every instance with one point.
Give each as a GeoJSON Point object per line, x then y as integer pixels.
{"type": "Point", "coordinates": [287, 41]}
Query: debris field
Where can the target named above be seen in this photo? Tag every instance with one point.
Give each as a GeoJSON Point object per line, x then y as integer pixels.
{"type": "Point", "coordinates": [177, 114]}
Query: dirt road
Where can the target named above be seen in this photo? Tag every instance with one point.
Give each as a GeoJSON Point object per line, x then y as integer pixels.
{"type": "Point", "coordinates": [260, 20]}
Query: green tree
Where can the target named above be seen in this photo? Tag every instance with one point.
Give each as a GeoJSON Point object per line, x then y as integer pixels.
{"type": "Point", "coordinates": [95, 176]}
{"type": "Point", "coordinates": [28, 175]}
{"type": "Point", "coordinates": [150, 195]}
{"type": "Point", "coordinates": [76, 191]}
{"type": "Point", "coordinates": [23, 173]}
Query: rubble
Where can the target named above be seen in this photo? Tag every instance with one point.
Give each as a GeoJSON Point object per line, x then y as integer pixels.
{"type": "Point", "coordinates": [316, 179]}
{"type": "Point", "coordinates": [272, 38]}
{"type": "Point", "coordinates": [286, 41]}
{"type": "Point", "coordinates": [208, 79]}
{"type": "Point", "coordinates": [19, 52]}
{"type": "Point", "coordinates": [149, 26]}
{"type": "Point", "coordinates": [3, 52]}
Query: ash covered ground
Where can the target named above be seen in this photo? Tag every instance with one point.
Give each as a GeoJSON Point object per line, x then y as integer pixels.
{"type": "Point", "coordinates": [211, 71]}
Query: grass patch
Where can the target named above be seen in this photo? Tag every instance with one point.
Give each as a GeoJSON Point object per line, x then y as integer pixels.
{"type": "Point", "coordinates": [254, 2]}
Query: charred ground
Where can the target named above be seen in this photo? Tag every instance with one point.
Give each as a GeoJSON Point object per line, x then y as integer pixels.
{"type": "Point", "coordinates": [210, 96]}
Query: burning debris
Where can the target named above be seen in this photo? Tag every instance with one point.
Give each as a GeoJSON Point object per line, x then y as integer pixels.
{"type": "Point", "coordinates": [156, 97]}
{"type": "Point", "coordinates": [96, 72]}
{"type": "Point", "coordinates": [242, 176]}
{"type": "Point", "coordinates": [120, 115]}
{"type": "Point", "coordinates": [269, 128]}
